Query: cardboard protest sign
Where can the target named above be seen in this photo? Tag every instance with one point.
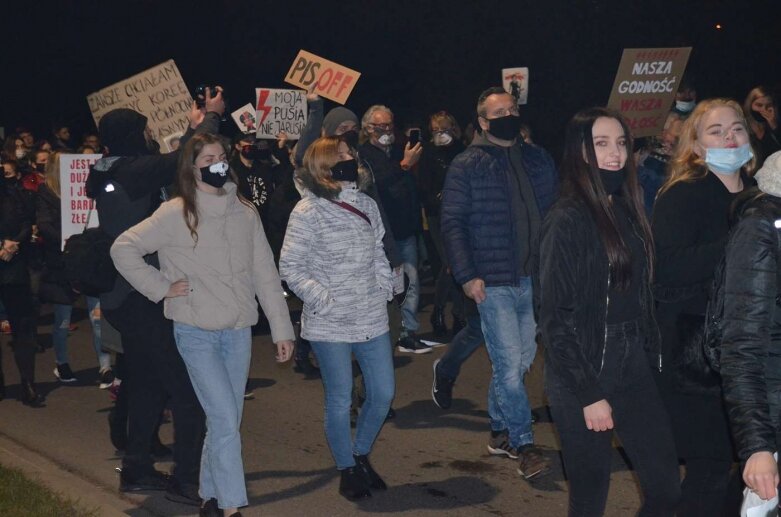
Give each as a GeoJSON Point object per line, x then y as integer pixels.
{"type": "Point", "coordinates": [246, 118]}
{"type": "Point", "coordinates": [158, 93]}
{"type": "Point", "coordinates": [334, 81]}
{"type": "Point", "coordinates": [280, 110]}
{"type": "Point", "coordinates": [645, 86]}
{"type": "Point", "coordinates": [515, 81]}
{"type": "Point", "coordinates": [75, 205]}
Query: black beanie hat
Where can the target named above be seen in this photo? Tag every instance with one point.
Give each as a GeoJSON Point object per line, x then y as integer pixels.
{"type": "Point", "coordinates": [122, 131]}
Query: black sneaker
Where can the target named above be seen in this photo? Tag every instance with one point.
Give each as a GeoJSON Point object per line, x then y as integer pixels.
{"type": "Point", "coordinates": [442, 389]}
{"type": "Point", "coordinates": [412, 345]}
{"type": "Point", "coordinates": [106, 378]}
{"type": "Point", "coordinates": [64, 373]}
{"type": "Point", "coordinates": [353, 484]}
{"type": "Point", "coordinates": [154, 480]}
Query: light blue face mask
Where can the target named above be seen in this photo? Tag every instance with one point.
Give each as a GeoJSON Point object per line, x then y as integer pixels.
{"type": "Point", "coordinates": [727, 160]}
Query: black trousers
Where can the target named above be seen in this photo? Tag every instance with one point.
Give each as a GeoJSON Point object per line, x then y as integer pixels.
{"type": "Point", "coordinates": [155, 371]}
{"type": "Point", "coordinates": [639, 419]}
{"type": "Point", "coordinates": [21, 315]}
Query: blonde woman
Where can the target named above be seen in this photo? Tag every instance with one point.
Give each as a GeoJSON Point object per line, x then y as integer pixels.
{"type": "Point", "coordinates": [214, 260]}
{"type": "Point", "coordinates": [333, 259]}
{"type": "Point", "coordinates": [711, 166]}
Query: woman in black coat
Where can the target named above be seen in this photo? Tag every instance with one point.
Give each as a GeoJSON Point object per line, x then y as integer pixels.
{"type": "Point", "coordinates": [712, 164]}
{"type": "Point", "coordinates": [15, 231]}
{"type": "Point", "coordinates": [595, 315]}
{"type": "Point", "coordinates": [751, 339]}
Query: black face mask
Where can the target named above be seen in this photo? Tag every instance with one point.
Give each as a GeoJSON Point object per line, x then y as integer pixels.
{"type": "Point", "coordinates": [345, 171]}
{"type": "Point", "coordinates": [350, 138]}
{"type": "Point", "coordinates": [612, 181]}
{"type": "Point", "coordinates": [215, 174]}
{"type": "Point", "coordinates": [40, 167]}
{"type": "Point", "coordinates": [505, 128]}
{"type": "Point", "coordinates": [758, 116]}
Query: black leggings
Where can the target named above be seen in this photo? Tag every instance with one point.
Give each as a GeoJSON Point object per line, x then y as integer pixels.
{"type": "Point", "coordinates": [21, 315]}
{"type": "Point", "coordinates": [639, 419]}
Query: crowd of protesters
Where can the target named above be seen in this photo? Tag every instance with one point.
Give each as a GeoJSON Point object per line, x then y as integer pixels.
{"type": "Point", "coordinates": [609, 263]}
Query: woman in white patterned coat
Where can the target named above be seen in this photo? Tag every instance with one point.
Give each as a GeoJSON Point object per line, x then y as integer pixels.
{"type": "Point", "coordinates": [333, 259]}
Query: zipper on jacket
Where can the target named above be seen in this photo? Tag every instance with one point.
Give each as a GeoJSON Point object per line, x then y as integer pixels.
{"type": "Point", "coordinates": [607, 307]}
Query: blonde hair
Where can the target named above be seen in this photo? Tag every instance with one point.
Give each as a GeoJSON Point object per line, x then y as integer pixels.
{"type": "Point", "coordinates": [319, 159]}
{"type": "Point", "coordinates": [686, 165]}
{"type": "Point", "coordinates": [52, 174]}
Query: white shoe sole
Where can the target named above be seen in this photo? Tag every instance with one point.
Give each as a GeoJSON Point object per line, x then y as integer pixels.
{"type": "Point", "coordinates": [57, 374]}
{"type": "Point", "coordinates": [501, 452]}
{"type": "Point", "coordinates": [426, 350]}
{"type": "Point", "coordinates": [434, 384]}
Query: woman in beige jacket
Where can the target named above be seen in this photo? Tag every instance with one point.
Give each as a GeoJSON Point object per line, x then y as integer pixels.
{"type": "Point", "coordinates": [214, 260]}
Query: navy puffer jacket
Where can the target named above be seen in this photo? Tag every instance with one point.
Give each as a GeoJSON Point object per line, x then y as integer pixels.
{"type": "Point", "coordinates": [478, 226]}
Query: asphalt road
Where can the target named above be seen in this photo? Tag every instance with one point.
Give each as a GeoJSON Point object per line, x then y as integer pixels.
{"type": "Point", "coordinates": [435, 462]}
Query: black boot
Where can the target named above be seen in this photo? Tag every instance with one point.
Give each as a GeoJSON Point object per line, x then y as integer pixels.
{"type": "Point", "coordinates": [438, 321]}
{"type": "Point", "coordinates": [353, 484]}
{"type": "Point", "coordinates": [372, 478]}
{"type": "Point", "coordinates": [30, 397]}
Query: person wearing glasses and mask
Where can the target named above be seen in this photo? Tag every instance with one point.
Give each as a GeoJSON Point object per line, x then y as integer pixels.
{"type": "Point", "coordinates": [496, 194]}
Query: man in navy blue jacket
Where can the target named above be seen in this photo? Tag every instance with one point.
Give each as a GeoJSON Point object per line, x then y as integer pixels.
{"type": "Point", "coordinates": [496, 193]}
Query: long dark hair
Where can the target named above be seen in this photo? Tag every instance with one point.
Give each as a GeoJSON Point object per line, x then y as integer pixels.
{"type": "Point", "coordinates": [185, 178]}
{"type": "Point", "coordinates": [580, 179]}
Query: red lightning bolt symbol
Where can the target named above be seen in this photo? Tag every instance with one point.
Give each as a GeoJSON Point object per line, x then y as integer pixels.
{"type": "Point", "coordinates": [261, 105]}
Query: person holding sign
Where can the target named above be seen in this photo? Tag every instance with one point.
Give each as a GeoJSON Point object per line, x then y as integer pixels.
{"type": "Point", "coordinates": [128, 185]}
{"type": "Point", "coordinates": [333, 259]}
{"type": "Point", "coordinates": [595, 307]}
{"type": "Point", "coordinates": [214, 260]}
{"type": "Point", "coordinates": [712, 164]}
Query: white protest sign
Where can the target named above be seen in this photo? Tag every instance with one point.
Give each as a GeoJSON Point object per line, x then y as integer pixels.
{"type": "Point", "coordinates": [280, 110]}
{"type": "Point", "coordinates": [246, 118]}
{"type": "Point", "coordinates": [515, 81]}
{"type": "Point", "coordinates": [75, 205]}
{"type": "Point", "coordinates": [158, 93]}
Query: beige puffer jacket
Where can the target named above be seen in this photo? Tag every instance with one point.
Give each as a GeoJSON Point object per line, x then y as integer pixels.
{"type": "Point", "coordinates": [230, 264]}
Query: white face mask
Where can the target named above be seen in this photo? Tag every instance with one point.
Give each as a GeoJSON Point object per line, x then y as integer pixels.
{"type": "Point", "coordinates": [20, 153]}
{"type": "Point", "coordinates": [441, 139]}
{"type": "Point", "coordinates": [386, 139]}
{"type": "Point", "coordinates": [684, 106]}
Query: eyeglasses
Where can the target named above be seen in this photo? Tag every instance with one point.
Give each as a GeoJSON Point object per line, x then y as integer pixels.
{"type": "Point", "coordinates": [384, 127]}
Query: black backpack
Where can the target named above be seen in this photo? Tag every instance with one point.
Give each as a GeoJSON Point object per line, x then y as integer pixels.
{"type": "Point", "coordinates": [88, 265]}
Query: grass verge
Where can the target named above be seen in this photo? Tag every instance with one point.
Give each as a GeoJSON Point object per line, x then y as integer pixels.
{"type": "Point", "coordinates": [22, 497]}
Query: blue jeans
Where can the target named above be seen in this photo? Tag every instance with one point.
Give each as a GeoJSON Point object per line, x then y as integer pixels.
{"type": "Point", "coordinates": [507, 319]}
{"type": "Point", "coordinates": [408, 252]}
{"type": "Point", "coordinates": [463, 345]}
{"type": "Point", "coordinates": [375, 358]}
{"type": "Point", "coordinates": [62, 321]}
{"type": "Point", "coordinates": [218, 364]}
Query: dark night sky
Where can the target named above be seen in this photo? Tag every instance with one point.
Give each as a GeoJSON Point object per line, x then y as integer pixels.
{"type": "Point", "coordinates": [417, 57]}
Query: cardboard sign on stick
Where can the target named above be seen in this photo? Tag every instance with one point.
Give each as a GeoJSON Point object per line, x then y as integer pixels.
{"type": "Point", "coordinates": [334, 81]}
{"type": "Point", "coordinates": [515, 81]}
{"type": "Point", "coordinates": [645, 86]}
{"type": "Point", "coordinates": [75, 205]}
{"type": "Point", "coordinates": [158, 93]}
{"type": "Point", "coordinates": [280, 110]}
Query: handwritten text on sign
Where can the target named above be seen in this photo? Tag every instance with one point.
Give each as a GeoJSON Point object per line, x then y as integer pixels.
{"type": "Point", "coordinates": [645, 86]}
{"type": "Point", "coordinates": [334, 81]}
{"type": "Point", "coordinates": [280, 110]}
{"type": "Point", "coordinates": [158, 93]}
{"type": "Point", "coordinates": [75, 205]}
